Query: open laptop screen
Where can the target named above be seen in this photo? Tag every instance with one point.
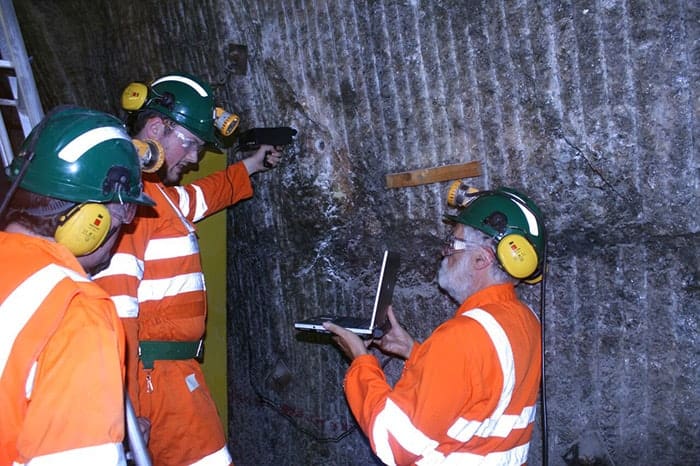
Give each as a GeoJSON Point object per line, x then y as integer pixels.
{"type": "Point", "coordinates": [373, 326]}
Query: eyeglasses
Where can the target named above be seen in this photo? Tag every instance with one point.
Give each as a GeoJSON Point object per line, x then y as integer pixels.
{"type": "Point", "coordinates": [453, 244]}
{"type": "Point", "coordinates": [187, 142]}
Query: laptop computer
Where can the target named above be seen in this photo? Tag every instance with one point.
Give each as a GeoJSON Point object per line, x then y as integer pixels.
{"type": "Point", "coordinates": [374, 326]}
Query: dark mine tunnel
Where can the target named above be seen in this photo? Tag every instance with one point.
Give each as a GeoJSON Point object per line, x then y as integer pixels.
{"type": "Point", "coordinates": [591, 108]}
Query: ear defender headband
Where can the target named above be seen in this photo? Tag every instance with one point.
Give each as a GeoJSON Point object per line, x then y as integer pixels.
{"type": "Point", "coordinates": [511, 219]}
{"type": "Point", "coordinates": [84, 228]}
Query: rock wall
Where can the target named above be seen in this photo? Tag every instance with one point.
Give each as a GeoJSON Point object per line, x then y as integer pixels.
{"type": "Point", "coordinates": [589, 107]}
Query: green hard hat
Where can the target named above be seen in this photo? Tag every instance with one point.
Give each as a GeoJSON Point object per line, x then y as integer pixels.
{"type": "Point", "coordinates": [508, 216]}
{"type": "Point", "coordinates": [188, 101]}
{"type": "Point", "coordinates": [80, 155]}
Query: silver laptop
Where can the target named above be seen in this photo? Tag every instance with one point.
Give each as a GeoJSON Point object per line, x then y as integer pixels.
{"type": "Point", "coordinates": [374, 326]}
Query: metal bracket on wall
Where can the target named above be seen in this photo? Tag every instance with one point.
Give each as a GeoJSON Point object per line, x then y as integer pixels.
{"type": "Point", "coordinates": [433, 175]}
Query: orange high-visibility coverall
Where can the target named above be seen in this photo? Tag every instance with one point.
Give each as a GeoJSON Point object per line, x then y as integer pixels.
{"type": "Point", "coordinates": [61, 359]}
{"type": "Point", "coordinates": [156, 281]}
{"type": "Point", "coordinates": [467, 394]}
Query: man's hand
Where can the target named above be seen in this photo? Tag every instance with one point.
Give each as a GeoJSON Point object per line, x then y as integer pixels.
{"type": "Point", "coordinates": [264, 158]}
{"type": "Point", "coordinates": [396, 341]}
{"type": "Point", "coordinates": [351, 345]}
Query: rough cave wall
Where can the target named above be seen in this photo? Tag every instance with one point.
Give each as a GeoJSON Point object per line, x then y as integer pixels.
{"type": "Point", "coordinates": [589, 107]}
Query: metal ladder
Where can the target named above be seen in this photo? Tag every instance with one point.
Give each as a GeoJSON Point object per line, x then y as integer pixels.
{"type": "Point", "coordinates": [22, 106]}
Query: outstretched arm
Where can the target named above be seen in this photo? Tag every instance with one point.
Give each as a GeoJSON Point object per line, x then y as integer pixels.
{"type": "Point", "coordinates": [264, 158]}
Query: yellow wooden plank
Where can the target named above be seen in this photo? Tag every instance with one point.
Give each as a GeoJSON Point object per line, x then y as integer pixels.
{"type": "Point", "coordinates": [433, 175]}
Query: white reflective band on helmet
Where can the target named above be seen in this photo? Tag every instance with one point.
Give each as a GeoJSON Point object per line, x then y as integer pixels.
{"type": "Point", "coordinates": [86, 141]}
{"type": "Point", "coordinates": [531, 220]}
{"type": "Point", "coordinates": [186, 81]}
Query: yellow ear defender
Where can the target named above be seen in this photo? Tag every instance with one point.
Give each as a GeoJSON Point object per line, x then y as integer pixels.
{"type": "Point", "coordinates": [517, 255]}
{"type": "Point", "coordinates": [151, 154]}
{"type": "Point", "coordinates": [510, 219]}
{"type": "Point", "coordinates": [84, 228]}
{"type": "Point", "coordinates": [134, 96]}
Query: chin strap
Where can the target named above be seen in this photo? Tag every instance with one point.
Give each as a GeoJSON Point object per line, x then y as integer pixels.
{"type": "Point", "coordinates": [14, 185]}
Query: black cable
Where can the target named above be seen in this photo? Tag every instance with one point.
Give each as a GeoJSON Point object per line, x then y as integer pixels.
{"type": "Point", "coordinates": [271, 404]}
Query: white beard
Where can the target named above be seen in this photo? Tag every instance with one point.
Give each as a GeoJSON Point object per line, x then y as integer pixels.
{"type": "Point", "coordinates": [456, 280]}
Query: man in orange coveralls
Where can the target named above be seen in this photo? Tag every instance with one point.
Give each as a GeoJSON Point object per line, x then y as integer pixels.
{"type": "Point", "coordinates": [467, 394]}
{"type": "Point", "coordinates": [156, 276]}
{"type": "Point", "coordinates": [61, 341]}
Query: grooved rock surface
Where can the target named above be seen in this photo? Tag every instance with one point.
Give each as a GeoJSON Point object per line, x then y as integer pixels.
{"type": "Point", "coordinates": [589, 107]}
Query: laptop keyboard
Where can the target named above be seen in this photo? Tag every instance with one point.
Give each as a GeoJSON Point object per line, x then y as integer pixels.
{"type": "Point", "coordinates": [352, 322]}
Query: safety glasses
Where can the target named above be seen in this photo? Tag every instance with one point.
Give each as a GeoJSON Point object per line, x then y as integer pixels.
{"type": "Point", "coordinates": [453, 244]}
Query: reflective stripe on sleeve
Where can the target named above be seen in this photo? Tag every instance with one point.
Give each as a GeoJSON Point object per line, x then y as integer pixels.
{"type": "Point", "coordinates": [463, 430]}
{"type": "Point", "coordinates": [392, 420]}
{"type": "Point", "coordinates": [168, 248]}
{"type": "Point", "coordinates": [107, 454]}
{"type": "Point", "coordinates": [123, 264]}
{"type": "Point", "coordinates": [127, 306]}
{"type": "Point", "coordinates": [150, 290]}
{"type": "Point", "coordinates": [29, 383]}
{"type": "Point", "coordinates": [514, 457]}
{"type": "Point", "coordinates": [22, 303]}
{"type": "Point", "coordinates": [183, 200]}
{"type": "Point", "coordinates": [200, 203]}
{"type": "Point", "coordinates": [218, 458]}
